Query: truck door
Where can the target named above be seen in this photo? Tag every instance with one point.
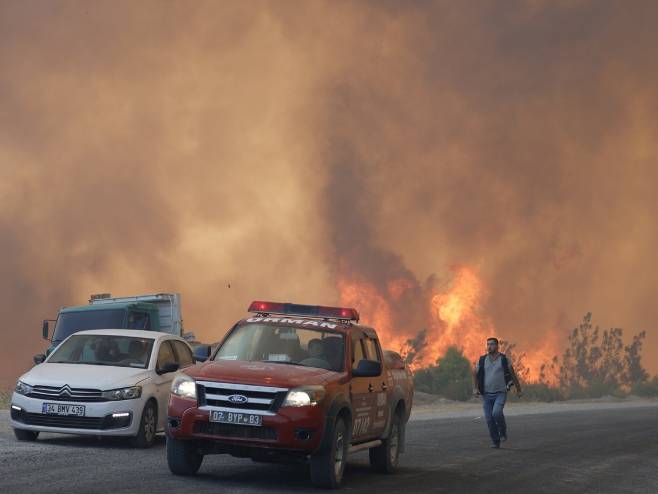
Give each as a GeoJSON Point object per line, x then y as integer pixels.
{"type": "Point", "coordinates": [362, 395]}
{"type": "Point", "coordinates": [380, 399]}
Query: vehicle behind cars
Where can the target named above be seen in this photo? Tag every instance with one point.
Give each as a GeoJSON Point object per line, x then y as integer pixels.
{"type": "Point", "coordinates": [293, 382]}
{"type": "Point", "coordinates": [109, 382]}
{"type": "Point", "coordinates": [151, 312]}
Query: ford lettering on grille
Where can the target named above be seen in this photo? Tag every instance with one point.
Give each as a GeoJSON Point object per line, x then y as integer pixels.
{"type": "Point", "coordinates": [238, 399]}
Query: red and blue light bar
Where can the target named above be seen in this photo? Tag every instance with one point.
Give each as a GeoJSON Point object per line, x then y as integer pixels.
{"type": "Point", "coordinates": [288, 309]}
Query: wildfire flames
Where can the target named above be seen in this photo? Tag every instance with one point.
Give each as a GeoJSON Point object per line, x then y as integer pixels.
{"type": "Point", "coordinates": [453, 317]}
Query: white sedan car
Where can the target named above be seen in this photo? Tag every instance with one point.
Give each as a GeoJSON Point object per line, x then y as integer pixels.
{"type": "Point", "coordinates": [106, 382]}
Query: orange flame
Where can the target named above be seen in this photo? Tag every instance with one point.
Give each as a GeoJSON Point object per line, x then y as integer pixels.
{"type": "Point", "coordinates": [373, 308]}
{"type": "Point", "coordinates": [454, 318]}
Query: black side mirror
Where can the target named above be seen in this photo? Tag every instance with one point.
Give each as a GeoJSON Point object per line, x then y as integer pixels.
{"type": "Point", "coordinates": [201, 353]}
{"type": "Point", "coordinates": [45, 330]}
{"type": "Point", "coordinates": [367, 368]}
{"type": "Point", "coordinates": [167, 368]}
{"type": "Point", "coordinates": [38, 359]}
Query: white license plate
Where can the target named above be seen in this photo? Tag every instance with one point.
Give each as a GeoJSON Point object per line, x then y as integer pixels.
{"type": "Point", "coordinates": [236, 418]}
{"type": "Point", "coordinates": [63, 409]}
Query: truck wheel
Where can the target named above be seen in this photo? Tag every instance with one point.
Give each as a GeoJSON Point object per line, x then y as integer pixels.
{"type": "Point", "coordinates": [25, 435]}
{"type": "Point", "coordinates": [385, 458]}
{"type": "Point", "coordinates": [183, 457]}
{"type": "Point", "coordinates": [328, 465]}
{"type": "Point", "coordinates": [148, 423]}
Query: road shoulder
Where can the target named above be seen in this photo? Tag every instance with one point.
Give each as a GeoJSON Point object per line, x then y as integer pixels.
{"type": "Point", "coordinates": [453, 409]}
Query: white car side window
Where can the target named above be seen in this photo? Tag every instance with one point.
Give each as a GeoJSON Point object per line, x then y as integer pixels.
{"type": "Point", "coordinates": [165, 355]}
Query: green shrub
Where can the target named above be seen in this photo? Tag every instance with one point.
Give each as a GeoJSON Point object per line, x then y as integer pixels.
{"type": "Point", "coordinates": [647, 389]}
{"type": "Point", "coordinates": [596, 389]}
{"type": "Point", "coordinates": [539, 392]}
{"type": "Point", "coordinates": [423, 380]}
{"type": "Point", "coordinates": [451, 376]}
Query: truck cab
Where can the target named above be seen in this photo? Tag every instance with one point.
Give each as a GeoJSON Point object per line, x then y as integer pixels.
{"type": "Point", "coordinates": [292, 382]}
{"type": "Point", "coordinates": [158, 312]}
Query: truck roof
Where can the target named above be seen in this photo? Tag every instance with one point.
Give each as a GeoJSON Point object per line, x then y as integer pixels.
{"type": "Point", "coordinates": [115, 305]}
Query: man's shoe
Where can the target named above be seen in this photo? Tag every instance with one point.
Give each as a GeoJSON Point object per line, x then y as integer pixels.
{"type": "Point", "coordinates": [495, 445]}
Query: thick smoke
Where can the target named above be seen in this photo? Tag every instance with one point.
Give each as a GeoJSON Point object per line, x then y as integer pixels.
{"type": "Point", "coordinates": [516, 138]}
{"type": "Point", "coordinates": [279, 146]}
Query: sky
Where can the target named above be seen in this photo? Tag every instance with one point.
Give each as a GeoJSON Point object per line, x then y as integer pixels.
{"type": "Point", "coordinates": [285, 147]}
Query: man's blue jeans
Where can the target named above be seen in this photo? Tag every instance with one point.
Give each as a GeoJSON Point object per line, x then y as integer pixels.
{"type": "Point", "coordinates": [493, 413]}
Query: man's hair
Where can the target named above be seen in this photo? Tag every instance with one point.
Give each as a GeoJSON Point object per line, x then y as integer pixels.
{"type": "Point", "coordinates": [495, 340]}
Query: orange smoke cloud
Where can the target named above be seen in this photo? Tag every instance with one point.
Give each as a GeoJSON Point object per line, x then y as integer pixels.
{"type": "Point", "coordinates": [274, 147]}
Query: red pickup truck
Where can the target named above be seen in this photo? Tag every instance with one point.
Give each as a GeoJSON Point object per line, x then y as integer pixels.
{"type": "Point", "coordinates": [293, 382]}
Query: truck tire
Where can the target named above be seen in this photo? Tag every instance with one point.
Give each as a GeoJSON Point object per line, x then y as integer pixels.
{"type": "Point", "coordinates": [328, 464]}
{"type": "Point", "coordinates": [183, 457]}
{"type": "Point", "coordinates": [148, 424]}
{"type": "Point", "coordinates": [385, 458]}
{"type": "Point", "coordinates": [25, 435]}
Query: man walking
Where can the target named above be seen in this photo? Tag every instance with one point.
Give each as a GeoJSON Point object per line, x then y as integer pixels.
{"type": "Point", "coordinates": [492, 379]}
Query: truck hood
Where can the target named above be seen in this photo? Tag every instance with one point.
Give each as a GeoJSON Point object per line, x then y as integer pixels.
{"type": "Point", "coordinates": [261, 373]}
{"type": "Point", "coordinates": [84, 376]}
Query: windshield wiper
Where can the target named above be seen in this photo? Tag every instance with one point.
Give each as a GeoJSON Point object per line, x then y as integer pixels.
{"type": "Point", "coordinates": [287, 362]}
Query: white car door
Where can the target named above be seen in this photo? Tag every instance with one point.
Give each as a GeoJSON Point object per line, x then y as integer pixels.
{"type": "Point", "coordinates": [162, 381]}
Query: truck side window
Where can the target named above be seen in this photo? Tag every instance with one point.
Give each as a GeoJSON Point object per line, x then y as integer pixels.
{"type": "Point", "coordinates": [357, 351]}
{"type": "Point", "coordinates": [139, 320]}
{"type": "Point", "coordinates": [183, 354]}
{"type": "Point", "coordinates": [371, 347]}
{"type": "Point", "coordinates": [165, 355]}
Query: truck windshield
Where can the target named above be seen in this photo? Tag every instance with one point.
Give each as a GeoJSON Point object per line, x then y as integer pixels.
{"type": "Point", "coordinates": [117, 351]}
{"type": "Point", "coordinates": [72, 322]}
{"type": "Point", "coordinates": [285, 345]}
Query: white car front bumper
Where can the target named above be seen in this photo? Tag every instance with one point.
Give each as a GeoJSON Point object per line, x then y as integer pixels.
{"type": "Point", "coordinates": [97, 421]}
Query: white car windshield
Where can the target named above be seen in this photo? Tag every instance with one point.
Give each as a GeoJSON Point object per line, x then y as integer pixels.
{"type": "Point", "coordinates": [284, 345]}
{"type": "Point", "coordinates": [118, 351]}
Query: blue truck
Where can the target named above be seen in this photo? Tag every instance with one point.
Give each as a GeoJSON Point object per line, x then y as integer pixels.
{"type": "Point", "coordinates": [155, 312]}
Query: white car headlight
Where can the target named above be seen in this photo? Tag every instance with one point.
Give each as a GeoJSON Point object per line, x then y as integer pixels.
{"type": "Point", "coordinates": [129, 393]}
{"type": "Point", "coordinates": [22, 388]}
{"type": "Point", "coordinates": [184, 386]}
{"type": "Point", "coordinates": [303, 397]}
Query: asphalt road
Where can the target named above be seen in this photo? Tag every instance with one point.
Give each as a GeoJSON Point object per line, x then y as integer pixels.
{"type": "Point", "coordinates": [585, 451]}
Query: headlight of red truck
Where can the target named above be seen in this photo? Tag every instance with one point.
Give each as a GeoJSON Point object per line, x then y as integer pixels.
{"type": "Point", "coordinates": [184, 387]}
{"type": "Point", "coordinates": [304, 396]}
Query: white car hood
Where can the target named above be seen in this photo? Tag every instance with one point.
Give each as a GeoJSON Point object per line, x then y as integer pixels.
{"type": "Point", "coordinates": [101, 377]}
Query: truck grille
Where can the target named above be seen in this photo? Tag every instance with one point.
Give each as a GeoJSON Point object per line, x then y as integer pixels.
{"type": "Point", "coordinates": [66, 393]}
{"type": "Point", "coordinates": [234, 430]}
{"type": "Point", "coordinates": [247, 398]}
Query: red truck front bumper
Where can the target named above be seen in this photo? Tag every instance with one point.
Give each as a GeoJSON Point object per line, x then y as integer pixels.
{"type": "Point", "coordinates": [292, 429]}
